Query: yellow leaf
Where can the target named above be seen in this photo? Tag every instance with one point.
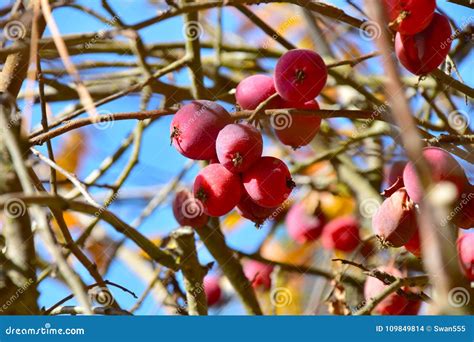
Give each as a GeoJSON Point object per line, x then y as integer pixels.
{"type": "Point", "coordinates": [231, 221]}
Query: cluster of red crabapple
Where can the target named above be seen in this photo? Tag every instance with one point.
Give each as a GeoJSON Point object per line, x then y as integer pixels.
{"type": "Point", "coordinates": [423, 36]}
{"type": "Point", "coordinates": [239, 176]}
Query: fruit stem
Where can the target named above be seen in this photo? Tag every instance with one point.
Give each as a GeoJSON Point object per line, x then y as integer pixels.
{"type": "Point", "coordinates": [300, 75]}
{"type": "Point", "coordinates": [201, 195]}
{"type": "Point", "coordinates": [237, 159]}
{"type": "Point", "coordinates": [290, 183]}
{"type": "Point", "coordinates": [402, 16]}
{"type": "Point", "coordinates": [176, 132]}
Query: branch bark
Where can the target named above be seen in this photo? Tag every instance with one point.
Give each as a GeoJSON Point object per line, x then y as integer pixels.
{"type": "Point", "coordinates": [193, 272]}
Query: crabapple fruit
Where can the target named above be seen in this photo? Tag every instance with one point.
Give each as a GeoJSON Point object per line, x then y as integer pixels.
{"type": "Point", "coordinates": [238, 146]}
{"type": "Point", "coordinates": [259, 274]}
{"type": "Point", "coordinates": [425, 51]}
{"type": "Point", "coordinates": [300, 75]}
{"type": "Point", "coordinates": [212, 289]}
{"type": "Point", "coordinates": [218, 189]}
{"type": "Point", "coordinates": [443, 167]}
{"type": "Point", "coordinates": [414, 244]}
{"type": "Point", "coordinates": [304, 226]}
{"type": "Point", "coordinates": [393, 304]}
{"type": "Point", "coordinates": [188, 211]}
{"type": "Point", "coordinates": [301, 129]}
{"type": "Point", "coordinates": [252, 211]}
{"type": "Point", "coordinates": [414, 15]}
{"type": "Point", "coordinates": [412, 308]}
{"type": "Point", "coordinates": [394, 172]}
{"type": "Point", "coordinates": [395, 220]}
{"type": "Point", "coordinates": [341, 233]}
{"type": "Point", "coordinates": [253, 90]}
{"type": "Point", "coordinates": [195, 126]}
{"type": "Point", "coordinates": [465, 246]}
{"type": "Point", "coordinates": [268, 182]}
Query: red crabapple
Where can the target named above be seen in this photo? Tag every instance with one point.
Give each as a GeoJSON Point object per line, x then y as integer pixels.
{"type": "Point", "coordinates": [393, 304]}
{"type": "Point", "coordinates": [395, 220]}
{"type": "Point", "coordinates": [425, 51]}
{"type": "Point", "coordinates": [189, 211]}
{"type": "Point", "coordinates": [412, 308]}
{"type": "Point", "coordinates": [259, 274]}
{"type": "Point", "coordinates": [300, 75]}
{"type": "Point", "coordinates": [301, 129]}
{"type": "Point", "coordinates": [218, 189]}
{"type": "Point", "coordinates": [415, 15]}
{"type": "Point", "coordinates": [394, 172]}
{"type": "Point", "coordinates": [465, 246]}
{"type": "Point", "coordinates": [268, 182]}
{"type": "Point", "coordinates": [195, 126]}
{"type": "Point", "coordinates": [303, 226]}
{"type": "Point", "coordinates": [253, 90]}
{"type": "Point", "coordinates": [443, 167]}
{"type": "Point", "coordinates": [414, 244]}
{"type": "Point", "coordinates": [238, 146]}
{"type": "Point", "coordinates": [252, 211]}
{"type": "Point", "coordinates": [341, 233]}
{"type": "Point", "coordinates": [212, 289]}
